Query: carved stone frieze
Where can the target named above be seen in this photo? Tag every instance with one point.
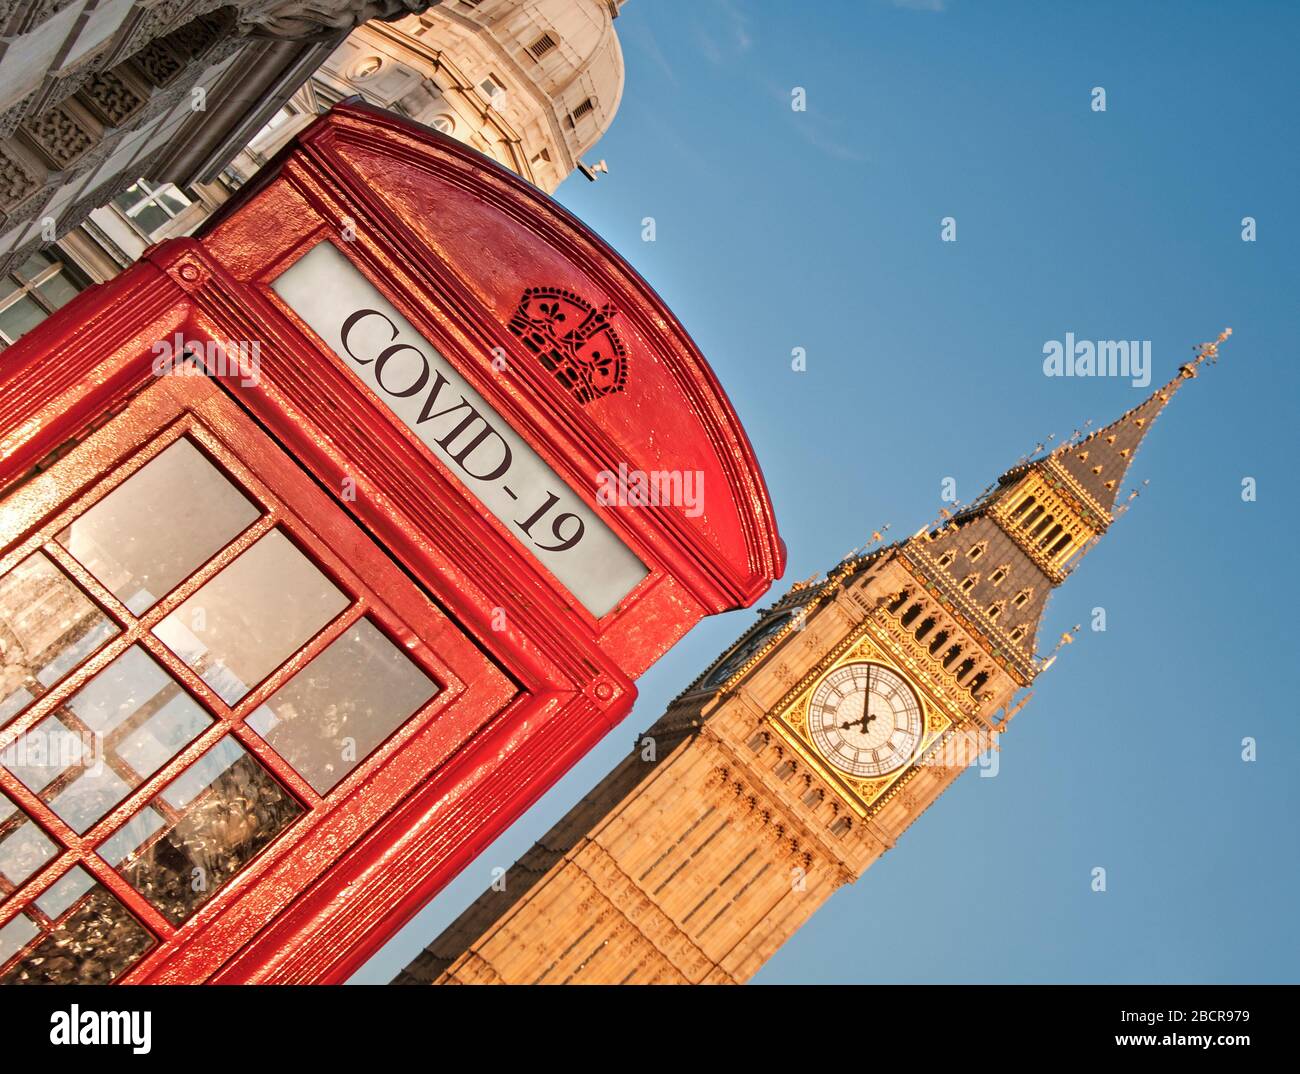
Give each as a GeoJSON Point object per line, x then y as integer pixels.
{"type": "Point", "coordinates": [308, 20]}
{"type": "Point", "coordinates": [159, 62]}
{"type": "Point", "coordinates": [22, 16]}
{"type": "Point", "coordinates": [112, 99]}
{"type": "Point", "coordinates": [18, 179]}
{"type": "Point", "coordinates": [61, 135]}
{"type": "Point", "coordinates": [148, 22]}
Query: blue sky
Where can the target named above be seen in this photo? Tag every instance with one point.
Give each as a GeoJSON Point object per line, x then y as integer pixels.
{"type": "Point", "coordinates": [778, 229]}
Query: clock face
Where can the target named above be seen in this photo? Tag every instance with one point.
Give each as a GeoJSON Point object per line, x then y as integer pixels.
{"type": "Point", "coordinates": [865, 719]}
{"type": "Point", "coordinates": [744, 649]}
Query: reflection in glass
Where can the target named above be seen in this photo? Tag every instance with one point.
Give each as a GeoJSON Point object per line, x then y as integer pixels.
{"type": "Point", "coordinates": [96, 941]}
{"type": "Point", "coordinates": [107, 739]}
{"type": "Point", "coordinates": [47, 627]}
{"type": "Point", "coordinates": [251, 617]}
{"type": "Point", "coordinates": [342, 705]}
{"type": "Point", "coordinates": [201, 830]}
{"type": "Point", "coordinates": [14, 936]}
{"type": "Point", "coordinates": [158, 526]}
{"type": "Point", "coordinates": [19, 317]}
{"type": "Point", "coordinates": [64, 892]}
{"type": "Point", "coordinates": [24, 847]}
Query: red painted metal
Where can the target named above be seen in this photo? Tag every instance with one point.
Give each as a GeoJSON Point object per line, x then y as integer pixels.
{"type": "Point", "coordinates": [454, 242]}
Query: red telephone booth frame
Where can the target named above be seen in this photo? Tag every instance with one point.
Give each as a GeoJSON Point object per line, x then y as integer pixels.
{"type": "Point", "coordinates": [456, 244]}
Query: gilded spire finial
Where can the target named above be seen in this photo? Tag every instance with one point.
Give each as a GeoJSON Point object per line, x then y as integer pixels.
{"type": "Point", "coordinates": [1066, 639]}
{"type": "Point", "coordinates": [1205, 352]}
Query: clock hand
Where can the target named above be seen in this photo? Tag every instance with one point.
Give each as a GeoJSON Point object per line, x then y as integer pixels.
{"type": "Point", "coordinates": [866, 703]}
{"type": "Point", "coordinates": [865, 719]}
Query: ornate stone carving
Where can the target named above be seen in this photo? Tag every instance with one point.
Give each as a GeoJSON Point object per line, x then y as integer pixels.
{"type": "Point", "coordinates": [18, 181]}
{"type": "Point", "coordinates": [25, 15]}
{"type": "Point", "coordinates": [146, 24]}
{"type": "Point", "coordinates": [13, 115]}
{"type": "Point", "coordinates": [60, 134]}
{"type": "Point", "coordinates": [111, 100]}
{"type": "Point", "coordinates": [64, 86]}
{"type": "Point", "coordinates": [159, 62]}
{"type": "Point", "coordinates": [308, 20]}
{"type": "Point", "coordinates": [197, 37]}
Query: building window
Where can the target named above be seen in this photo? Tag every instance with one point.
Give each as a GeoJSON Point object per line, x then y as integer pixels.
{"type": "Point", "coordinates": [585, 108]}
{"type": "Point", "coordinates": [150, 207]}
{"type": "Point", "coordinates": [366, 68]}
{"type": "Point", "coordinates": [33, 291]}
{"type": "Point", "coordinates": [977, 550]}
{"type": "Point", "coordinates": [946, 559]}
{"type": "Point", "coordinates": [1021, 598]}
{"type": "Point", "coordinates": [274, 124]}
{"type": "Point", "coordinates": [969, 583]}
{"type": "Point", "coordinates": [541, 46]}
{"type": "Point", "coordinates": [443, 123]}
{"type": "Point", "coordinates": [1018, 633]}
{"type": "Point", "coordinates": [491, 86]}
{"type": "Point", "coordinates": [230, 179]}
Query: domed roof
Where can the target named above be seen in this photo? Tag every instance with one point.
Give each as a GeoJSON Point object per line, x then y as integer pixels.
{"type": "Point", "coordinates": [570, 51]}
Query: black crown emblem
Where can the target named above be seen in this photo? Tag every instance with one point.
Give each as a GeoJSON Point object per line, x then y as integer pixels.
{"type": "Point", "coordinates": [573, 339]}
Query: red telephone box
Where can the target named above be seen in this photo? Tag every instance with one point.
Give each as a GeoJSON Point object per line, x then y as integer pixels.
{"type": "Point", "coordinates": [287, 644]}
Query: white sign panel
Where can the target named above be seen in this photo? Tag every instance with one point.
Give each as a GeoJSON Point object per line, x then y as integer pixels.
{"type": "Point", "coordinates": [484, 453]}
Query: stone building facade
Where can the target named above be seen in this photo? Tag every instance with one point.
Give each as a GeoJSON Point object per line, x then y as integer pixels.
{"type": "Point", "coordinates": [103, 149]}
{"type": "Point", "coordinates": [95, 94]}
{"type": "Point", "coordinates": [806, 750]}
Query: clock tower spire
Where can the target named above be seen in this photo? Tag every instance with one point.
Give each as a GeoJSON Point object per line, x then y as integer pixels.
{"type": "Point", "coordinates": [805, 751]}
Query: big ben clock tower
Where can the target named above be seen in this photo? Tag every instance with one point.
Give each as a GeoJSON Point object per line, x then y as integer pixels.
{"type": "Point", "coordinates": [806, 750]}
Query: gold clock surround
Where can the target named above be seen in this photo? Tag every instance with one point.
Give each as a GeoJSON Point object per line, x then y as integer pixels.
{"type": "Point", "coordinates": [790, 721]}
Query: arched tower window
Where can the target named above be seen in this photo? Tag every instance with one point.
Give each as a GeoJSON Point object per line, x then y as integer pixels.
{"type": "Point", "coordinates": [1023, 506]}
